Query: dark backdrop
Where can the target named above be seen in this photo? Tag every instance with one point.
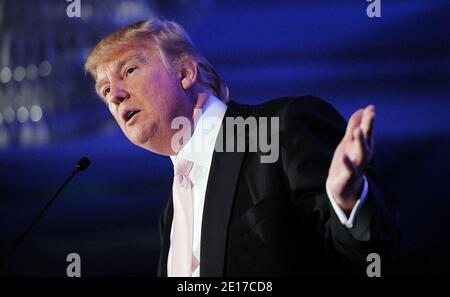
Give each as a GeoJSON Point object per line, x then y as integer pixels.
{"type": "Point", "coordinates": [50, 116]}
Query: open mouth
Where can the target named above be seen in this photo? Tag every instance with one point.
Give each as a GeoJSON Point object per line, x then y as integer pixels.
{"type": "Point", "coordinates": [129, 115]}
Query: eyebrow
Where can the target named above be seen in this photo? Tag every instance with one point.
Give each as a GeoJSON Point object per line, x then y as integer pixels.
{"type": "Point", "coordinates": [135, 55]}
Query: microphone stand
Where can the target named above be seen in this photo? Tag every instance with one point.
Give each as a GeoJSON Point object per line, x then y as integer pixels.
{"type": "Point", "coordinates": [81, 165]}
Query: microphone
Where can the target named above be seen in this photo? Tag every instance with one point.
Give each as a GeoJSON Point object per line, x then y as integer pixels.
{"type": "Point", "coordinates": [81, 165]}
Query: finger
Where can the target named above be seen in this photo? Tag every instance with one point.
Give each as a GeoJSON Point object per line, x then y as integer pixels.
{"type": "Point", "coordinates": [367, 123]}
{"type": "Point", "coordinates": [360, 149]}
{"type": "Point", "coordinates": [353, 122]}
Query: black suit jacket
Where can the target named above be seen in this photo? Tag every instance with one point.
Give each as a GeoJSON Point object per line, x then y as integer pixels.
{"type": "Point", "coordinates": [275, 219]}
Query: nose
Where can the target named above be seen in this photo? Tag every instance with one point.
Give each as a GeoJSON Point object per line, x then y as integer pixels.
{"type": "Point", "coordinates": [118, 94]}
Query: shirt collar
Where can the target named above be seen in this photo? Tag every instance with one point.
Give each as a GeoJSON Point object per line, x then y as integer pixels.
{"type": "Point", "coordinates": [200, 147]}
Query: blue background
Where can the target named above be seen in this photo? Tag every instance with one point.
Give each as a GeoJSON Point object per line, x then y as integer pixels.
{"type": "Point", "coordinates": [263, 49]}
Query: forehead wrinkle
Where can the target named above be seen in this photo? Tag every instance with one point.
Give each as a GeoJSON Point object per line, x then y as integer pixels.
{"type": "Point", "coordinates": [117, 65]}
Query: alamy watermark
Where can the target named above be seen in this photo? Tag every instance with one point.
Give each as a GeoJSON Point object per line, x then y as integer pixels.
{"type": "Point", "coordinates": [374, 9]}
{"type": "Point", "coordinates": [374, 268]}
{"type": "Point", "coordinates": [74, 268]}
{"type": "Point", "coordinates": [251, 134]}
{"type": "Point", "coordinates": [74, 8]}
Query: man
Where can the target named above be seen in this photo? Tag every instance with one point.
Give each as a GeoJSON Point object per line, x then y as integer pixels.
{"type": "Point", "coordinates": [313, 210]}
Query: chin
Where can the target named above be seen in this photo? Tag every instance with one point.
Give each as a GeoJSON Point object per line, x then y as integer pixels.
{"type": "Point", "coordinates": [149, 144]}
{"type": "Point", "coordinates": [138, 140]}
{"type": "Point", "coordinates": [138, 135]}
{"type": "Point", "coordinates": [155, 149]}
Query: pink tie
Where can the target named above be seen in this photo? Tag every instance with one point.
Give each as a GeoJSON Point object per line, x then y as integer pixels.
{"type": "Point", "coordinates": [182, 259]}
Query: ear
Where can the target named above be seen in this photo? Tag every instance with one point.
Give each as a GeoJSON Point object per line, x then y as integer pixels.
{"type": "Point", "coordinates": [188, 73]}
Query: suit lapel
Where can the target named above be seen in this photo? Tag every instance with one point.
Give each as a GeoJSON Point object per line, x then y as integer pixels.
{"type": "Point", "coordinates": [167, 220]}
{"type": "Point", "coordinates": [220, 191]}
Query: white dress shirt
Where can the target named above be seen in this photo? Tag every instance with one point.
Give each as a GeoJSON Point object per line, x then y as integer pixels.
{"type": "Point", "coordinates": [199, 150]}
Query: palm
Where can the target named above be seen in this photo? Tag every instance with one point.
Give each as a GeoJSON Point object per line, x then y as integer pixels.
{"type": "Point", "coordinates": [351, 158]}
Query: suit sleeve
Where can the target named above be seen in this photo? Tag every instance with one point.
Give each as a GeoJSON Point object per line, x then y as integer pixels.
{"type": "Point", "coordinates": [310, 130]}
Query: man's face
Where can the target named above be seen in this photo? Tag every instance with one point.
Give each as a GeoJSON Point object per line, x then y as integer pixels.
{"type": "Point", "coordinates": [143, 96]}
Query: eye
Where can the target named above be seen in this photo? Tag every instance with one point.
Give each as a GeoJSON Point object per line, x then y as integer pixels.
{"type": "Point", "coordinates": [130, 70]}
{"type": "Point", "coordinates": [106, 91]}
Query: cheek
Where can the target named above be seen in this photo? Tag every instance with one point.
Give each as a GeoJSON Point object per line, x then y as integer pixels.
{"type": "Point", "coordinates": [164, 81]}
{"type": "Point", "coordinates": [113, 110]}
{"type": "Point", "coordinates": [163, 93]}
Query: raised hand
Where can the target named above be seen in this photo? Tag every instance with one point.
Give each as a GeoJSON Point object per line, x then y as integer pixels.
{"type": "Point", "coordinates": [351, 157]}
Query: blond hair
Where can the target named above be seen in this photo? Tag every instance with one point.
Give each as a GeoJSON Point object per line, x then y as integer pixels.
{"type": "Point", "coordinates": [173, 43]}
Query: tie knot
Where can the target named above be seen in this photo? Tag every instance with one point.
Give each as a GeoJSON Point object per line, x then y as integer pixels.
{"type": "Point", "coordinates": [182, 166]}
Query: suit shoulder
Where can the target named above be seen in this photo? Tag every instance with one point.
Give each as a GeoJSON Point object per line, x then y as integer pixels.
{"type": "Point", "coordinates": [294, 106]}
